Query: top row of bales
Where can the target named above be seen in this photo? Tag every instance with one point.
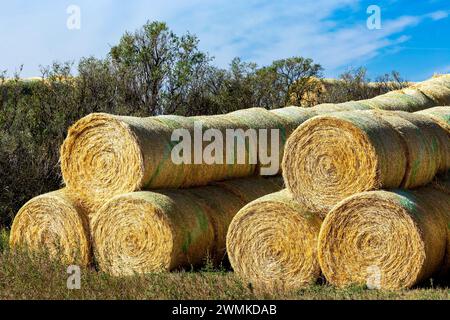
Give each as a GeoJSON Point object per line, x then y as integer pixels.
{"type": "Point", "coordinates": [106, 155]}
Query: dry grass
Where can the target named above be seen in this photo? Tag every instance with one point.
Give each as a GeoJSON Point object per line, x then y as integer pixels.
{"type": "Point", "coordinates": [22, 278]}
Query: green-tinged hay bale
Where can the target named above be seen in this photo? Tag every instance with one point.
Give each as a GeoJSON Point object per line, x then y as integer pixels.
{"type": "Point", "coordinates": [400, 100]}
{"type": "Point", "coordinates": [346, 106]}
{"type": "Point", "coordinates": [54, 224]}
{"type": "Point", "coordinates": [423, 144]}
{"type": "Point", "coordinates": [106, 155]}
{"type": "Point", "coordinates": [437, 88]}
{"type": "Point", "coordinates": [260, 118]}
{"type": "Point", "coordinates": [438, 138]}
{"type": "Point", "coordinates": [252, 188]}
{"type": "Point", "coordinates": [329, 158]}
{"type": "Point", "coordinates": [388, 240]}
{"type": "Point", "coordinates": [272, 243]}
{"type": "Point", "coordinates": [293, 117]}
{"type": "Point", "coordinates": [441, 115]}
{"type": "Point", "coordinates": [145, 231]}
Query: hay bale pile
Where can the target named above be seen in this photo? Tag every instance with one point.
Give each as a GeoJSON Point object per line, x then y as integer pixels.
{"type": "Point", "coordinates": [129, 206]}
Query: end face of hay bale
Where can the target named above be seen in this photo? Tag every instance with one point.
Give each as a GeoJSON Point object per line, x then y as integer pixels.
{"type": "Point", "coordinates": [101, 157]}
{"type": "Point", "coordinates": [381, 239]}
{"type": "Point", "coordinates": [145, 232]}
{"type": "Point", "coordinates": [329, 158]}
{"type": "Point", "coordinates": [272, 243]}
{"type": "Point", "coordinates": [53, 224]}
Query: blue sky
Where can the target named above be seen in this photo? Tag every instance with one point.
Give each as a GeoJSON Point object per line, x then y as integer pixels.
{"type": "Point", "coordinates": [414, 37]}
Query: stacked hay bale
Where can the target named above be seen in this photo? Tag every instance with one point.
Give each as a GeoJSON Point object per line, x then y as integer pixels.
{"type": "Point", "coordinates": [272, 243]}
{"type": "Point", "coordinates": [55, 223]}
{"type": "Point", "coordinates": [148, 231]}
{"type": "Point", "coordinates": [331, 157]}
{"type": "Point", "coordinates": [394, 239]}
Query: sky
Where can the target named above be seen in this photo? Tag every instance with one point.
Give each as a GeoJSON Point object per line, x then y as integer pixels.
{"type": "Point", "coordinates": [412, 37]}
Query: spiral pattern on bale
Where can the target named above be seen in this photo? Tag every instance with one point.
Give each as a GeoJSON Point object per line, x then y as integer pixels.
{"type": "Point", "coordinates": [54, 224]}
{"type": "Point", "coordinates": [388, 240]}
{"type": "Point", "coordinates": [272, 243]}
{"type": "Point", "coordinates": [329, 158]}
{"type": "Point", "coordinates": [145, 232]}
{"type": "Point", "coordinates": [106, 155]}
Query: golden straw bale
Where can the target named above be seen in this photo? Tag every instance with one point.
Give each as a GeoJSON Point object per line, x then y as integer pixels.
{"type": "Point", "coordinates": [145, 231]}
{"type": "Point", "coordinates": [272, 243]}
{"type": "Point", "coordinates": [106, 155]}
{"type": "Point", "coordinates": [329, 158]}
{"type": "Point", "coordinates": [388, 240]}
{"type": "Point", "coordinates": [55, 224]}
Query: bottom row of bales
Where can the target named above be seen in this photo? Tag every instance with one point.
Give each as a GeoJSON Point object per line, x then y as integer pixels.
{"type": "Point", "coordinates": [395, 239]}
{"type": "Point", "coordinates": [138, 232]}
{"type": "Point", "coordinates": [402, 238]}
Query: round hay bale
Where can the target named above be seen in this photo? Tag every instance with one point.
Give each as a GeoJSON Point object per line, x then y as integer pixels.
{"type": "Point", "coordinates": [422, 144]}
{"type": "Point", "coordinates": [441, 115]}
{"type": "Point", "coordinates": [399, 100]}
{"type": "Point", "coordinates": [144, 232]}
{"type": "Point", "coordinates": [388, 240]}
{"type": "Point", "coordinates": [272, 243]}
{"type": "Point", "coordinates": [54, 224]}
{"type": "Point", "coordinates": [106, 155]}
{"type": "Point", "coordinates": [329, 158]}
{"type": "Point", "coordinates": [438, 89]}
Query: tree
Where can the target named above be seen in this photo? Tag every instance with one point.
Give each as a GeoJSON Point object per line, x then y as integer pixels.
{"type": "Point", "coordinates": [157, 66]}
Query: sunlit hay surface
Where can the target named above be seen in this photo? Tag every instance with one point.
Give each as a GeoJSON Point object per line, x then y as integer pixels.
{"type": "Point", "coordinates": [329, 158]}
{"type": "Point", "coordinates": [272, 243]}
{"type": "Point", "coordinates": [145, 232]}
{"type": "Point", "coordinates": [106, 155]}
{"type": "Point", "coordinates": [56, 224]}
{"type": "Point", "coordinates": [391, 240]}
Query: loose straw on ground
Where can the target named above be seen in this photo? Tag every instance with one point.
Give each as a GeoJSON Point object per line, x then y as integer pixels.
{"type": "Point", "coordinates": [272, 243]}
{"type": "Point", "coordinates": [386, 240]}
{"type": "Point", "coordinates": [329, 158]}
{"type": "Point", "coordinates": [54, 224]}
{"type": "Point", "coordinates": [145, 232]}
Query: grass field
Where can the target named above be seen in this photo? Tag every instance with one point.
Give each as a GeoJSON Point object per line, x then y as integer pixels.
{"type": "Point", "coordinates": [23, 278]}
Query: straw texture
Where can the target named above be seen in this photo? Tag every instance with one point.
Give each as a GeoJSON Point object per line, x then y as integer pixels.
{"type": "Point", "coordinates": [397, 239]}
{"type": "Point", "coordinates": [106, 155]}
{"type": "Point", "coordinates": [146, 232]}
{"type": "Point", "coordinates": [272, 243]}
{"type": "Point", "coordinates": [54, 224]}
